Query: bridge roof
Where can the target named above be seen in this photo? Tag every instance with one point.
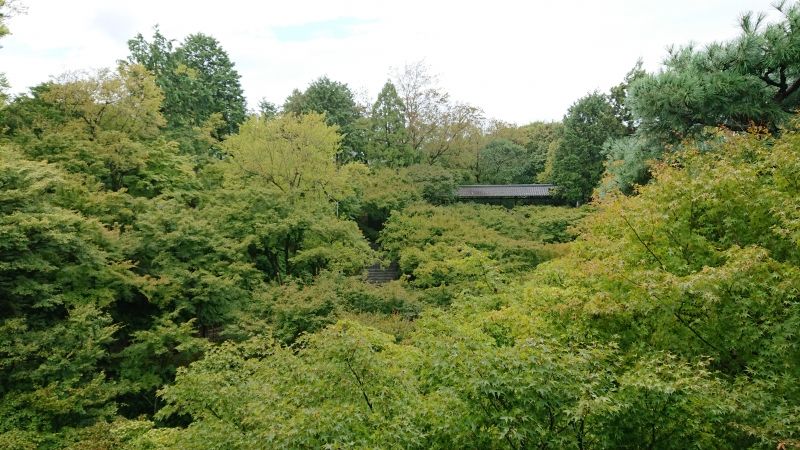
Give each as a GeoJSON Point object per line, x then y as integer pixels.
{"type": "Point", "coordinates": [505, 191]}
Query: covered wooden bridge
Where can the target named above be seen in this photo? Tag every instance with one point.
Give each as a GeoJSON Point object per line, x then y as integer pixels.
{"type": "Point", "coordinates": [507, 194]}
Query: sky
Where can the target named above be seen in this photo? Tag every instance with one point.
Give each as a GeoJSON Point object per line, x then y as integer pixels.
{"type": "Point", "coordinates": [518, 60]}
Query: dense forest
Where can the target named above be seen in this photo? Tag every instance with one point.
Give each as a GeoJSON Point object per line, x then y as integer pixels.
{"type": "Point", "coordinates": [179, 272]}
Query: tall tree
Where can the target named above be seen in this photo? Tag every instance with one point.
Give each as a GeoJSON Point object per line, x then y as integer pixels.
{"type": "Point", "coordinates": [628, 157]}
{"type": "Point", "coordinates": [294, 154]}
{"type": "Point", "coordinates": [577, 162]}
{"type": "Point", "coordinates": [267, 109]}
{"type": "Point", "coordinates": [618, 97]}
{"type": "Point", "coordinates": [753, 79]}
{"type": "Point", "coordinates": [438, 128]}
{"type": "Point", "coordinates": [420, 95]}
{"type": "Point", "coordinates": [539, 140]}
{"type": "Point", "coordinates": [215, 82]}
{"type": "Point", "coordinates": [105, 125]}
{"type": "Point", "coordinates": [126, 101]}
{"type": "Point", "coordinates": [336, 101]}
{"type": "Point", "coordinates": [542, 140]}
{"type": "Point", "coordinates": [198, 79]}
{"type": "Point", "coordinates": [60, 272]}
{"type": "Point", "coordinates": [389, 138]}
{"type": "Point", "coordinates": [7, 8]}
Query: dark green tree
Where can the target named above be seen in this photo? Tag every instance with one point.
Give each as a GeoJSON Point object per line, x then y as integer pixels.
{"type": "Point", "coordinates": [214, 81]}
{"type": "Point", "coordinates": [618, 97]}
{"type": "Point", "coordinates": [502, 162]}
{"type": "Point", "coordinates": [437, 185]}
{"type": "Point", "coordinates": [751, 80]}
{"type": "Point", "coordinates": [295, 103]}
{"type": "Point", "coordinates": [198, 79]}
{"type": "Point", "coordinates": [267, 109]}
{"type": "Point", "coordinates": [628, 157]}
{"type": "Point", "coordinates": [577, 162]}
{"type": "Point", "coordinates": [539, 140]}
{"type": "Point", "coordinates": [389, 139]}
{"type": "Point", "coordinates": [335, 100]}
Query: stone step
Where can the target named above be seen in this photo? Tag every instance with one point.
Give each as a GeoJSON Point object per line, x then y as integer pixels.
{"type": "Point", "coordinates": [378, 274]}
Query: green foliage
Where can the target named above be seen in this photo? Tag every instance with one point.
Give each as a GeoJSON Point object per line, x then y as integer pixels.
{"type": "Point", "coordinates": [377, 195]}
{"type": "Point", "coordinates": [328, 97]}
{"type": "Point", "coordinates": [198, 80]}
{"type": "Point", "coordinates": [105, 126]}
{"type": "Point", "coordinates": [191, 267]}
{"type": "Point", "coordinates": [704, 262]}
{"type": "Point", "coordinates": [469, 247]}
{"type": "Point", "coordinates": [619, 94]}
{"type": "Point", "coordinates": [577, 162]}
{"type": "Point", "coordinates": [628, 162]}
{"type": "Point", "coordinates": [539, 140]}
{"type": "Point", "coordinates": [59, 274]}
{"type": "Point", "coordinates": [151, 358]}
{"type": "Point", "coordinates": [335, 101]}
{"type": "Point", "coordinates": [4, 87]}
{"type": "Point", "coordinates": [299, 307]}
{"type": "Point", "coordinates": [292, 153]}
{"type": "Point", "coordinates": [7, 8]}
{"type": "Point", "coordinates": [691, 285]}
{"type": "Point", "coordinates": [389, 139]}
{"type": "Point", "coordinates": [503, 162]}
{"type": "Point", "coordinates": [436, 184]}
{"type": "Point", "coordinates": [294, 404]}
{"type": "Point", "coordinates": [53, 373]}
{"type": "Point", "coordinates": [453, 384]}
{"type": "Point", "coordinates": [542, 141]}
{"type": "Point", "coordinates": [214, 82]}
{"type": "Point", "coordinates": [267, 109]}
{"type": "Point", "coordinates": [750, 80]}
{"type": "Point", "coordinates": [285, 237]}
{"type": "Point", "coordinates": [125, 102]}
{"type": "Point", "coordinates": [178, 281]}
{"type": "Point", "coordinates": [38, 235]}
{"type": "Point", "coordinates": [674, 105]}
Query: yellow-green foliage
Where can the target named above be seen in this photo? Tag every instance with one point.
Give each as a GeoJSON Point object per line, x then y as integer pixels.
{"type": "Point", "coordinates": [166, 288]}
{"type": "Point", "coordinates": [703, 262]}
{"type": "Point", "coordinates": [670, 323]}
{"type": "Point", "coordinates": [126, 101]}
{"type": "Point", "coordinates": [295, 308]}
{"type": "Point", "coordinates": [448, 249]}
{"type": "Point", "coordinates": [292, 153]}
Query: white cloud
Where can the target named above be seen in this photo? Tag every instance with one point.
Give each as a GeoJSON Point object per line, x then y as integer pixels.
{"type": "Point", "coordinates": [518, 60]}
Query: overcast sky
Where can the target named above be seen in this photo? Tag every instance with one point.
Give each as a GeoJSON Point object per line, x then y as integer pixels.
{"type": "Point", "coordinates": [520, 61]}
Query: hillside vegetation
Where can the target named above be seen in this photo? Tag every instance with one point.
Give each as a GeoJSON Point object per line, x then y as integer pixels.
{"type": "Point", "coordinates": [177, 272]}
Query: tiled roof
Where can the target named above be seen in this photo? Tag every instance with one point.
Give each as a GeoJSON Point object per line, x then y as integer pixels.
{"type": "Point", "coordinates": [505, 191]}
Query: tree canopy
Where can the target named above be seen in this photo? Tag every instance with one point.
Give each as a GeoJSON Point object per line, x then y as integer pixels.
{"type": "Point", "coordinates": [578, 159]}
{"type": "Point", "coordinates": [750, 80]}
{"type": "Point", "coordinates": [335, 101]}
{"type": "Point", "coordinates": [389, 140]}
{"type": "Point", "coordinates": [197, 77]}
{"type": "Point", "coordinates": [177, 273]}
